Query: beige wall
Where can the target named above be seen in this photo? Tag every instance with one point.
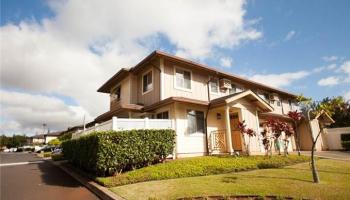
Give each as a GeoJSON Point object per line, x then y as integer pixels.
{"type": "Point", "coordinates": [125, 91]}
{"type": "Point", "coordinates": [332, 137]}
{"type": "Point", "coordinates": [152, 96]}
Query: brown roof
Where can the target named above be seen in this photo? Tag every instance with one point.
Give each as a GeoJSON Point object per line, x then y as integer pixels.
{"type": "Point", "coordinates": [172, 100]}
{"type": "Point", "coordinates": [109, 114]}
{"type": "Point", "coordinates": [57, 133]}
{"type": "Point", "coordinates": [274, 115]}
{"type": "Point", "coordinates": [105, 87]}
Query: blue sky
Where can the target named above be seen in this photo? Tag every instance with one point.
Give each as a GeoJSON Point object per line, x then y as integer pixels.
{"type": "Point", "coordinates": [300, 46]}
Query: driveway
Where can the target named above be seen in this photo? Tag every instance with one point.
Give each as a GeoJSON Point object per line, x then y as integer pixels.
{"type": "Point", "coordinates": [338, 155]}
{"type": "Point", "coordinates": [27, 177]}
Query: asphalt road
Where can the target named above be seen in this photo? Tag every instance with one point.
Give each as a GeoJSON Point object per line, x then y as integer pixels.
{"type": "Point", "coordinates": [27, 177]}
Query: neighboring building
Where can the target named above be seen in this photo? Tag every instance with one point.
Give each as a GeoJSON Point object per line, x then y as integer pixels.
{"type": "Point", "coordinates": [164, 86]}
{"type": "Point", "coordinates": [45, 138]}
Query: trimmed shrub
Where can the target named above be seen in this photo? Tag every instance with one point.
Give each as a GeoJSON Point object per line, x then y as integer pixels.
{"type": "Point", "coordinates": [345, 145]}
{"type": "Point", "coordinates": [47, 154]}
{"type": "Point", "coordinates": [345, 137]}
{"type": "Point", "coordinates": [345, 141]}
{"type": "Point", "coordinates": [57, 157]}
{"type": "Point", "coordinates": [109, 152]}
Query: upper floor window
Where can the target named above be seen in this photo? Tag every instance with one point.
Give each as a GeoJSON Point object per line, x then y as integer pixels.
{"type": "Point", "coordinates": [147, 82]}
{"type": "Point", "coordinates": [183, 79]}
{"type": "Point", "coordinates": [290, 104]}
{"type": "Point", "coordinates": [214, 86]}
{"type": "Point", "coordinates": [195, 121]}
{"type": "Point", "coordinates": [279, 103]}
{"type": "Point", "coordinates": [163, 115]}
{"type": "Point", "coordinates": [117, 93]}
{"type": "Point", "coordinates": [233, 89]}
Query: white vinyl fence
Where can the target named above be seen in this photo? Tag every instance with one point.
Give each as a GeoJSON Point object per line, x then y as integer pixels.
{"type": "Point", "coordinates": [119, 124]}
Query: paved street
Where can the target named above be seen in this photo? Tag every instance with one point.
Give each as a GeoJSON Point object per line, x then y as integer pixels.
{"type": "Point", "coordinates": [338, 155]}
{"type": "Point", "coordinates": [27, 177]}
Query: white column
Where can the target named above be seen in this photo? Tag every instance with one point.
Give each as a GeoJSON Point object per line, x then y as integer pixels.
{"type": "Point", "coordinates": [114, 123]}
{"type": "Point", "coordinates": [228, 130]}
{"type": "Point", "coordinates": [161, 87]}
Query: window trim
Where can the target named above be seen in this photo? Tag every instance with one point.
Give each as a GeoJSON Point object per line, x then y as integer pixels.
{"type": "Point", "coordinates": [218, 85]}
{"type": "Point", "coordinates": [168, 111]}
{"type": "Point", "coordinates": [187, 124]}
{"type": "Point", "coordinates": [150, 70]}
{"type": "Point", "coordinates": [113, 91]}
{"type": "Point", "coordinates": [181, 88]}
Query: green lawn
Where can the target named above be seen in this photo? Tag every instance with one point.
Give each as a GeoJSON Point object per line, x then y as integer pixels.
{"type": "Point", "coordinates": [294, 181]}
{"type": "Point", "coordinates": [199, 166]}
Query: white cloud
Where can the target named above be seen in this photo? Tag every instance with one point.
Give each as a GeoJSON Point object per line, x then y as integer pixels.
{"type": "Point", "coordinates": [27, 112]}
{"type": "Point", "coordinates": [279, 80]}
{"type": "Point", "coordinates": [226, 62]}
{"type": "Point", "coordinates": [329, 58]}
{"type": "Point", "coordinates": [329, 81]}
{"type": "Point", "coordinates": [290, 35]}
{"type": "Point", "coordinates": [323, 68]}
{"type": "Point", "coordinates": [54, 56]}
{"type": "Point", "coordinates": [345, 68]}
{"type": "Point", "coordinates": [347, 96]}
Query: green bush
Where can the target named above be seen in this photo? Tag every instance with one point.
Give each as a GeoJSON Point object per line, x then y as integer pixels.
{"type": "Point", "coordinates": [110, 152]}
{"type": "Point", "coordinates": [345, 145]}
{"type": "Point", "coordinates": [345, 137]}
{"type": "Point", "coordinates": [57, 157]}
{"type": "Point", "coordinates": [47, 154]}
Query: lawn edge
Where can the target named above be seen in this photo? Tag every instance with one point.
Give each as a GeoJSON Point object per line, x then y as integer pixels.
{"type": "Point", "coordinates": [102, 192]}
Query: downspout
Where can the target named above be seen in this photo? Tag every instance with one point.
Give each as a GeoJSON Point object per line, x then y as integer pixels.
{"type": "Point", "coordinates": [206, 120]}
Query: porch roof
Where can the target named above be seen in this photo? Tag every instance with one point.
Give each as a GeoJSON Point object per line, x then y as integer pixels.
{"type": "Point", "coordinates": [248, 95]}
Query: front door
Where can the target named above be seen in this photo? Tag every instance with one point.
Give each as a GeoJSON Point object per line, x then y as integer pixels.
{"type": "Point", "coordinates": [235, 133]}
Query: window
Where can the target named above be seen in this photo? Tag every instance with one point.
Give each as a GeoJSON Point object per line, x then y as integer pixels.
{"type": "Point", "coordinates": [214, 86]}
{"type": "Point", "coordinates": [290, 104]}
{"type": "Point", "coordinates": [195, 121]}
{"type": "Point", "coordinates": [183, 79]}
{"type": "Point", "coordinates": [233, 89]}
{"type": "Point", "coordinates": [117, 93]}
{"type": "Point", "coordinates": [163, 115]}
{"type": "Point", "coordinates": [279, 103]}
{"type": "Point", "coordinates": [147, 84]}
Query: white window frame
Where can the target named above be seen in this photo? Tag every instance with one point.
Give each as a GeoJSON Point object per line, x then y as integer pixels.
{"type": "Point", "coordinates": [181, 88]}
{"type": "Point", "coordinates": [217, 82]}
{"type": "Point", "coordinates": [113, 91]}
{"type": "Point", "coordinates": [187, 128]}
{"type": "Point", "coordinates": [163, 112]}
{"type": "Point", "coordinates": [151, 70]}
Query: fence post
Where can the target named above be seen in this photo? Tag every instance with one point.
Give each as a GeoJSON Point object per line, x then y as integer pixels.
{"type": "Point", "coordinates": [114, 123]}
{"type": "Point", "coordinates": [146, 123]}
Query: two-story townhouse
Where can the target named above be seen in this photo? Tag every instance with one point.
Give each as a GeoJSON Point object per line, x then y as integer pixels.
{"type": "Point", "coordinates": [205, 104]}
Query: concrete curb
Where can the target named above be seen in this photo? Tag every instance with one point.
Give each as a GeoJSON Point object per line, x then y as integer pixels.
{"type": "Point", "coordinates": [100, 191]}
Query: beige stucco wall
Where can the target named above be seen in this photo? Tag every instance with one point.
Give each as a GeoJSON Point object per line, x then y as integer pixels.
{"type": "Point", "coordinates": [306, 139]}
{"type": "Point", "coordinates": [332, 137]}
{"type": "Point", "coordinates": [49, 138]}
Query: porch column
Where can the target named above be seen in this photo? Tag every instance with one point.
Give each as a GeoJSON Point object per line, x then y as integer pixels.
{"type": "Point", "coordinates": [228, 130]}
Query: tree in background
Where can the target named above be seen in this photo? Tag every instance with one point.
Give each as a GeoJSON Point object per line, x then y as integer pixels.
{"type": "Point", "coordinates": [297, 117]}
{"type": "Point", "coordinates": [13, 141]}
{"type": "Point", "coordinates": [246, 131]}
{"type": "Point", "coordinates": [65, 136]}
{"type": "Point", "coordinates": [55, 142]}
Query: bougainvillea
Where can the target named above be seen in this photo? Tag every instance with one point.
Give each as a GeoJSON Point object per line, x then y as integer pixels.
{"type": "Point", "coordinates": [297, 117]}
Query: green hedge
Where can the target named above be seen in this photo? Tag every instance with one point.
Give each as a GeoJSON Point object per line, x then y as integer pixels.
{"type": "Point", "coordinates": [109, 152]}
{"type": "Point", "coordinates": [345, 137]}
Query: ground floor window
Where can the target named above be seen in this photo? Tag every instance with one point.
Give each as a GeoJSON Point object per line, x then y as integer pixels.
{"type": "Point", "coordinates": [195, 121]}
{"type": "Point", "coordinates": [163, 115]}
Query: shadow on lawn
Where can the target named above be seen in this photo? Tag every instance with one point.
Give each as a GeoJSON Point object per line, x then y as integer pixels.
{"type": "Point", "coordinates": [233, 179]}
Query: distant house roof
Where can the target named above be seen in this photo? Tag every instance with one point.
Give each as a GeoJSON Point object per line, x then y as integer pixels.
{"type": "Point", "coordinates": [105, 88]}
{"type": "Point", "coordinates": [57, 133]}
{"type": "Point", "coordinates": [39, 136]}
